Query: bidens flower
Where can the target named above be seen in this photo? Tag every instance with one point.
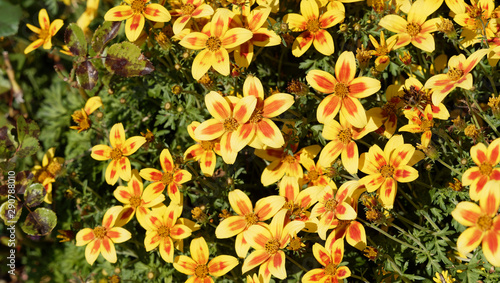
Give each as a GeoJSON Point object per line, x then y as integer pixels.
{"type": "Point", "coordinates": [119, 167]}
{"type": "Point", "coordinates": [483, 222]}
{"type": "Point", "coordinates": [45, 33]}
{"type": "Point", "coordinates": [101, 239]}
{"type": "Point", "coordinates": [81, 117]}
{"type": "Point", "coordinates": [135, 15]}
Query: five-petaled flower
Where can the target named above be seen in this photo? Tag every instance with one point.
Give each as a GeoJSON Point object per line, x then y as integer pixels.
{"type": "Point", "coordinates": [386, 168]}
{"type": "Point", "coordinates": [190, 9]}
{"type": "Point", "coordinates": [119, 167]}
{"type": "Point", "coordinates": [330, 259]}
{"type": "Point", "coordinates": [47, 173]}
{"type": "Point", "coordinates": [486, 158]}
{"type": "Point", "coordinates": [345, 91]}
{"type": "Point", "coordinates": [45, 33]}
{"type": "Point", "coordinates": [214, 44]}
{"type": "Point", "coordinates": [101, 239]}
{"type": "Point", "coordinates": [415, 29]}
{"type": "Point", "coordinates": [162, 229]}
{"type": "Point", "coordinates": [314, 26]}
{"type": "Point", "coordinates": [484, 224]}
{"type": "Point", "coordinates": [135, 13]}
{"type": "Point", "coordinates": [269, 242]}
{"type": "Point", "coordinates": [171, 177]}
{"type": "Point", "coordinates": [229, 124]}
{"type": "Point", "coordinates": [458, 75]}
{"type": "Point", "coordinates": [136, 200]}
{"type": "Point", "coordinates": [81, 117]}
{"type": "Point", "coordinates": [199, 266]}
{"type": "Point", "coordinates": [246, 217]}
{"type": "Point", "coordinates": [203, 151]}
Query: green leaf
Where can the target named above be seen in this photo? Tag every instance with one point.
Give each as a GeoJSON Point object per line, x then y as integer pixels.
{"type": "Point", "coordinates": [22, 179]}
{"type": "Point", "coordinates": [26, 129]}
{"type": "Point", "coordinates": [104, 34]}
{"type": "Point", "coordinates": [34, 195]}
{"type": "Point", "coordinates": [75, 40]}
{"type": "Point", "coordinates": [7, 142]}
{"type": "Point", "coordinates": [10, 211]}
{"type": "Point", "coordinates": [39, 222]}
{"type": "Point", "coordinates": [29, 147]}
{"type": "Point", "coordinates": [86, 75]}
{"type": "Point", "coordinates": [125, 59]}
{"type": "Point", "coordinates": [9, 21]}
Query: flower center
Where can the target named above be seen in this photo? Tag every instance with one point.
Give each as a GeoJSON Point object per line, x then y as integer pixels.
{"type": "Point", "coordinates": [313, 25]}
{"type": "Point", "coordinates": [427, 124]}
{"type": "Point", "coordinates": [201, 271]}
{"type": "Point", "coordinates": [42, 175]}
{"type": "Point", "coordinates": [272, 246]}
{"type": "Point", "coordinates": [330, 269]}
{"type": "Point", "coordinates": [138, 6]}
{"type": "Point", "coordinates": [116, 154]}
{"type": "Point", "coordinates": [256, 116]}
{"type": "Point", "coordinates": [413, 29]}
{"type": "Point", "coordinates": [99, 232]}
{"type": "Point", "coordinates": [135, 201]}
{"type": "Point", "coordinates": [313, 175]}
{"type": "Point", "coordinates": [207, 145]}
{"type": "Point", "coordinates": [474, 11]}
{"type": "Point", "coordinates": [484, 222]}
{"type": "Point", "coordinates": [485, 168]}
{"type": "Point", "coordinates": [163, 231]}
{"type": "Point", "coordinates": [167, 178]}
{"type": "Point", "coordinates": [214, 43]}
{"type": "Point", "coordinates": [331, 204]}
{"type": "Point", "coordinates": [187, 9]}
{"type": "Point", "coordinates": [345, 136]}
{"type": "Point", "coordinates": [387, 171]}
{"type": "Point", "coordinates": [413, 96]}
{"type": "Point", "coordinates": [290, 159]}
{"type": "Point", "coordinates": [295, 244]}
{"type": "Point", "coordinates": [389, 109]}
{"type": "Point", "coordinates": [251, 219]}
{"type": "Point", "coordinates": [294, 210]}
{"type": "Point", "coordinates": [230, 124]}
{"type": "Point", "coordinates": [341, 90]}
{"type": "Point", "coordinates": [454, 74]}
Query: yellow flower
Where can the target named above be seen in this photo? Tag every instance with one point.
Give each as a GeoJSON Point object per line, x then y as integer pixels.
{"type": "Point", "coordinates": [120, 148]}
{"type": "Point", "coordinates": [47, 173]}
{"type": "Point", "coordinates": [81, 117]}
{"type": "Point", "coordinates": [45, 33]}
{"type": "Point", "coordinates": [90, 12]}
{"type": "Point", "coordinates": [135, 14]}
{"type": "Point", "coordinates": [443, 277]}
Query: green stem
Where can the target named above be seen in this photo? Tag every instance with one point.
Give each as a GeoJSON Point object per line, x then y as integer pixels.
{"type": "Point", "coordinates": [396, 268]}
{"type": "Point", "coordinates": [296, 263]}
{"type": "Point", "coordinates": [449, 167]}
{"type": "Point", "coordinates": [481, 114]}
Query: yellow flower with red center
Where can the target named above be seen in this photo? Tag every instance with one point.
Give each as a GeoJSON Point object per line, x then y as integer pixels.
{"type": "Point", "coordinates": [162, 229]}
{"type": "Point", "coordinates": [473, 17]}
{"type": "Point", "coordinates": [317, 175]}
{"type": "Point", "coordinates": [229, 124]}
{"type": "Point", "coordinates": [314, 28]}
{"type": "Point", "coordinates": [332, 207]}
{"type": "Point", "coordinates": [269, 242]}
{"type": "Point", "coordinates": [45, 33]}
{"type": "Point", "coordinates": [386, 168]}
{"type": "Point", "coordinates": [458, 75]}
{"type": "Point", "coordinates": [381, 51]}
{"type": "Point", "coordinates": [135, 14]}
{"type": "Point", "coordinates": [214, 44]}
{"type": "Point", "coordinates": [483, 222]}
{"type": "Point", "coordinates": [199, 266]}
{"type": "Point", "coordinates": [298, 202]}
{"type": "Point", "coordinates": [203, 152]}
{"type": "Point", "coordinates": [190, 9]}
{"type": "Point", "coordinates": [330, 259]}
{"type": "Point", "coordinates": [263, 128]}
{"type": "Point", "coordinates": [486, 159]}
{"type": "Point", "coordinates": [82, 116]}
{"type": "Point", "coordinates": [283, 162]}
{"type": "Point", "coordinates": [416, 29]}
{"type": "Point", "coordinates": [247, 216]}
{"type": "Point", "coordinates": [101, 239]}
{"type": "Point", "coordinates": [256, 23]}
{"type": "Point", "coordinates": [119, 167]}
{"type": "Point", "coordinates": [343, 138]}
{"type": "Point", "coordinates": [389, 112]}
{"type": "Point", "coordinates": [344, 91]}
{"type": "Point", "coordinates": [47, 173]}
{"type": "Point", "coordinates": [136, 200]}
{"type": "Point", "coordinates": [171, 177]}
{"type": "Point", "coordinates": [416, 98]}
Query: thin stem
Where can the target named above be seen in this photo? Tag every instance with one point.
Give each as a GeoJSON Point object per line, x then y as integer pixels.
{"type": "Point", "coordinates": [296, 263]}
{"type": "Point", "coordinates": [449, 167]}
